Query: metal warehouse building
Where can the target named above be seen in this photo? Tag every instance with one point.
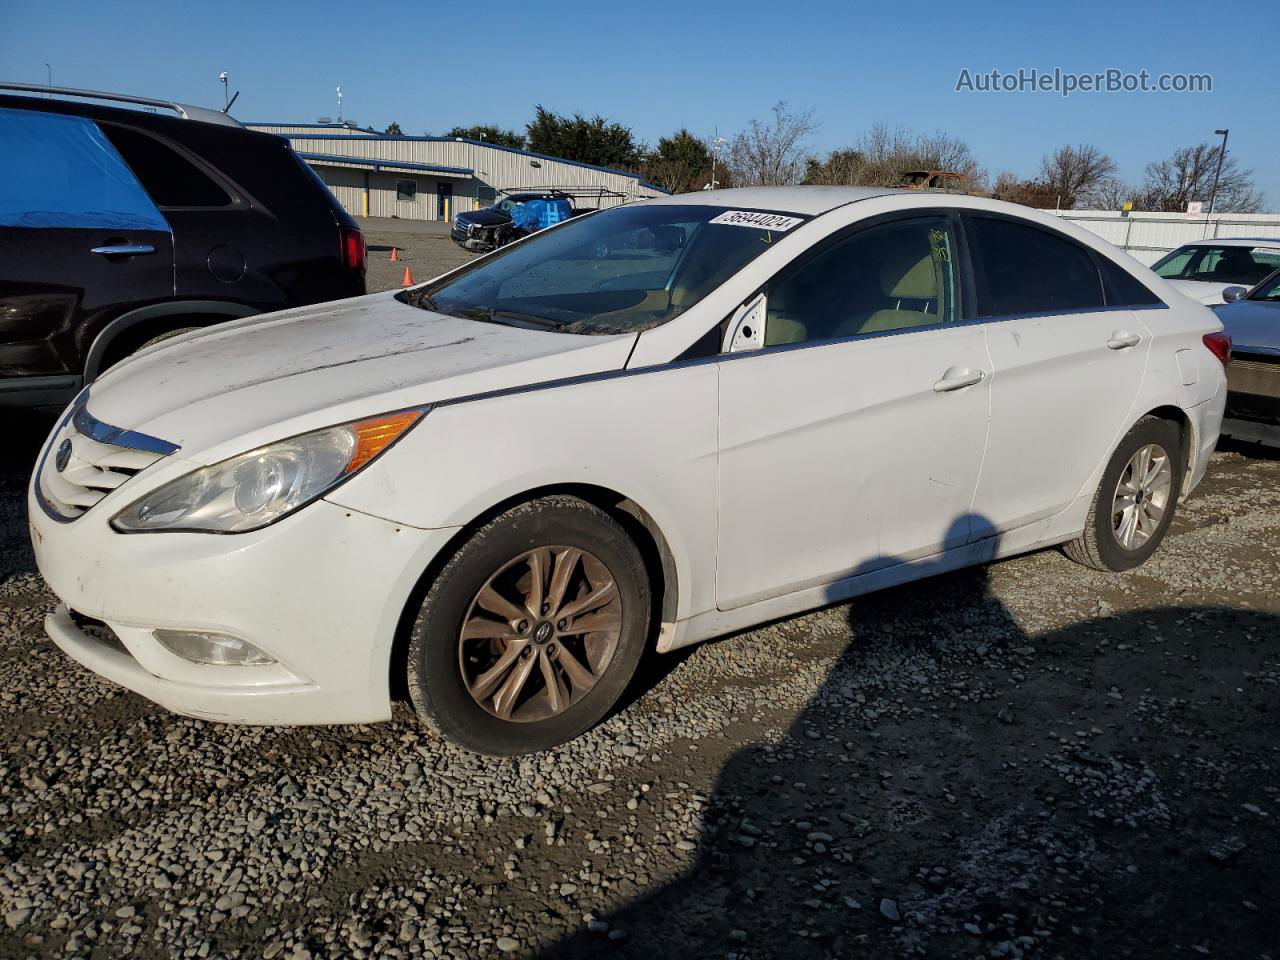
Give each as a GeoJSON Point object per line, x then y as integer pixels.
{"type": "Point", "coordinates": [432, 178]}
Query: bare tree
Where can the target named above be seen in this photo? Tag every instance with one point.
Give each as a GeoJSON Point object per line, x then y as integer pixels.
{"type": "Point", "coordinates": [1111, 193]}
{"type": "Point", "coordinates": [879, 158]}
{"type": "Point", "coordinates": [1073, 173]}
{"type": "Point", "coordinates": [771, 155]}
{"type": "Point", "coordinates": [1030, 193]}
{"type": "Point", "coordinates": [1188, 175]}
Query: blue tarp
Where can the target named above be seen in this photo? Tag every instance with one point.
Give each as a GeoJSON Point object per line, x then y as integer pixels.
{"type": "Point", "coordinates": [60, 171]}
{"type": "Point", "coordinates": [539, 214]}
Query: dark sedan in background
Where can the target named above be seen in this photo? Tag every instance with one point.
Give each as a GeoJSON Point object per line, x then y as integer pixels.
{"type": "Point", "coordinates": [1253, 376]}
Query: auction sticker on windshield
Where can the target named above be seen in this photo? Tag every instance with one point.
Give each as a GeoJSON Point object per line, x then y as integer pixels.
{"type": "Point", "coordinates": [758, 221]}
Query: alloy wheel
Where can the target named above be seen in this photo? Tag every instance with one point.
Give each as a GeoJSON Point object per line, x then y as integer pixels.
{"type": "Point", "coordinates": [1142, 496]}
{"type": "Point", "coordinates": [540, 633]}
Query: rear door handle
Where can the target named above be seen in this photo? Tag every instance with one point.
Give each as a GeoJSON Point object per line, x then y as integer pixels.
{"type": "Point", "coordinates": [1123, 339]}
{"type": "Point", "coordinates": [123, 249]}
{"type": "Point", "coordinates": [957, 378]}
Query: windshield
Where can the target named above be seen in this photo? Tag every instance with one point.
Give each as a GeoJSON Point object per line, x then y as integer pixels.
{"type": "Point", "coordinates": [1219, 264]}
{"type": "Point", "coordinates": [617, 271]}
{"type": "Point", "coordinates": [1269, 289]}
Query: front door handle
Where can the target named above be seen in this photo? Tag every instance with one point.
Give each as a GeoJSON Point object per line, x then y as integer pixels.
{"type": "Point", "coordinates": [957, 378]}
{"type": "Point", "coordinates": [1123, 340]}
{"type": "Point", "coordinates": [123, 249]}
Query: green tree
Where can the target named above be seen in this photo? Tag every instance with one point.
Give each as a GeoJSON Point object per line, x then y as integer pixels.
{"type": "Point", "coordinates": [393, 129]}
{"type": "Point", "coordinates": [592, 140]}
{"type": "Point", "coordinates": [489, 133]}
{"type": "Point", "coordinates": [680, 164]}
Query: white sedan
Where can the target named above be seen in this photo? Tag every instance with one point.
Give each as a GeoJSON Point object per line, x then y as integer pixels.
{"type": "Point", "coordinates": [1205, 270]}
{"type": "Point", "coordinates": [639, 429]}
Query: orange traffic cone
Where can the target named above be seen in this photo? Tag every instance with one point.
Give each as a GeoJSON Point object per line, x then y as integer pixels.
{"type": "Point", "coordinates": [408, 278]}
{"type": "Point", "coordinates": [395, 254]}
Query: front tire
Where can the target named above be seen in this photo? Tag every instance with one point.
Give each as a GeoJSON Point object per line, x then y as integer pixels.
{"type": "Point", "coordinates": [532, 630]}
{"type": "Point", "coordinates": [1135, 501]}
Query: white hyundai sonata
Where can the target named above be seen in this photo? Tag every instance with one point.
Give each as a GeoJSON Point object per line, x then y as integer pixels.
{"type": "Point", "coordinates": [643, 427]}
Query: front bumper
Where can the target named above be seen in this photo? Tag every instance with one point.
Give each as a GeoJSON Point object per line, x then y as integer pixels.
{"type": "Point", "coordinates": [321, 591]}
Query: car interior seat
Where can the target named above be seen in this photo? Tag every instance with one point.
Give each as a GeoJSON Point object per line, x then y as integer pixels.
{"type": "Point", "coordinates": [908, 285]}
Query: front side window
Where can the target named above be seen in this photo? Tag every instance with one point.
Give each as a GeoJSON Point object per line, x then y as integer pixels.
{"type": "Point", "coordinates": [1029, 270]}
{"type": "Point", "coordinates": [406, 190]}
{"type": "Point", "coordinates": [617, 271]}
{"type": "Point", "coordinates": [887, 277]}
{"type": "Point", "coordinates": [60, 171]}
{"type": "Point", "coordinates": [1230, 264]}
{"type": "Point", "coordinates": [170, 178]}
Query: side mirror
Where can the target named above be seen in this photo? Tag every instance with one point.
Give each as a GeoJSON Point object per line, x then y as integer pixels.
{"type": "Point", "coordinates": [1232, 294]}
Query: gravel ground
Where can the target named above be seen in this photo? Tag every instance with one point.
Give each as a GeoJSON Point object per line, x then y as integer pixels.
{"type": "Point", "coordinates": [423, 247]}
{"type": "Point", "coordinates": [1025, 760]}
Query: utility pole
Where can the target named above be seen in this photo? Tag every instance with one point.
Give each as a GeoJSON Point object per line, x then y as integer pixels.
{"type": "Point", "coordinates": [716, 140]}
{"type": "Point", "coordinates": [339, 103]}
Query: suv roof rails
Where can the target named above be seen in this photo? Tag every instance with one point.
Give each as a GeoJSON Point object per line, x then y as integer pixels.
{"type": "Point", "coordinates": [185, 111]}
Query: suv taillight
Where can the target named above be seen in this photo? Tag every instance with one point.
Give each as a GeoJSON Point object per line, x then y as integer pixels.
{"type": "Point", "coordinates": [353, 250]}
{"type": "Point", "coordinates": [1219, 345]}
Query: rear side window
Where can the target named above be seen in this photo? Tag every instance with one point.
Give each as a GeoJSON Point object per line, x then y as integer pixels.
{"type": "Point", "coordinates": [170, 178]}
{"type": "Point", "coordinates": [1030, 270]}
{"type": "Point", "coordinates": [1123, 289]}
{"type": "Point", "coordinates": [60, 171]}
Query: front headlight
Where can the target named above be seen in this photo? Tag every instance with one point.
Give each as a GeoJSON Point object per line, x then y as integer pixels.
{"type": "Point", "coordinates": [263, 485]}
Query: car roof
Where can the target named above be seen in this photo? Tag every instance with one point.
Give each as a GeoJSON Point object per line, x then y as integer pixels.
{"type": "Point", "coordinates": [808, 201]}
{"type": "Point", "coordinates": [1234, 242]}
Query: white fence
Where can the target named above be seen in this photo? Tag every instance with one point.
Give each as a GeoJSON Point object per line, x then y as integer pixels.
{"type": "Point", "coordinates": [1149, 236]}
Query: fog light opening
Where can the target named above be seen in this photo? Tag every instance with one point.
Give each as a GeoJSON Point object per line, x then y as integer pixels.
{"type": "Point", "coordinates": [203, 646]}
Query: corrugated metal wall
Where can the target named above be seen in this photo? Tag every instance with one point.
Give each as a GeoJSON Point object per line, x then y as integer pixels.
{"type": "Point", "coordinates": [304, 129]}
{"type": "Point", "coordinates": [494, 167]}
{"type": "Point", "coordinates": [1149, 236]}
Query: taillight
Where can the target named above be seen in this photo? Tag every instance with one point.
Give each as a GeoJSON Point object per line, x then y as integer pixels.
{"type": "Point", "coordinates": [353, 250]}
{"type": "Point", "coordinates": [1219, 345]}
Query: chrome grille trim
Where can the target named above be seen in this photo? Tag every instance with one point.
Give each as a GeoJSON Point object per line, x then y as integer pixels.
{"type": "Point", "coordinates": [102, 458]}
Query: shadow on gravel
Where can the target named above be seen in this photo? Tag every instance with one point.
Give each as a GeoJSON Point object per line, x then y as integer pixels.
{"type": "Point", "coordinates": [959, 788]}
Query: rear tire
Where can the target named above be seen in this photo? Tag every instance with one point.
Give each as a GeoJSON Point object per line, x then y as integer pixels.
{"type": "Point", "coordinates": [532, 630]}
{"type": "Point", "coordinates": [1135, 500]}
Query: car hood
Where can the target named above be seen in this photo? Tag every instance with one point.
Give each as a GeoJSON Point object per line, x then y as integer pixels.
{"type": "Point", "coordinates": [1254, 325]}
{"type": "Point", "coordinates": [235, 386]}
{"type": "Point", "coordinates": [1202, 291]}
{"type": "Point", "coordinates": [483, 218]}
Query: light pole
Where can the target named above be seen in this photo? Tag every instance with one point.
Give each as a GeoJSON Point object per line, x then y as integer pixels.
{"type": "Point", "coordinates": [339, 104]}
{"type": "Point", "coordinates": [226, 103]}
{"type": "Point", "coordinates": [1213, 194]}
{"type": "Point", "coordinates": [49, 72]}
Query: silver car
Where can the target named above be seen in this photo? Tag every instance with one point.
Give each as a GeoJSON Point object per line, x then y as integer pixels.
{"type": "Point", "coordinates": [1253, 376]}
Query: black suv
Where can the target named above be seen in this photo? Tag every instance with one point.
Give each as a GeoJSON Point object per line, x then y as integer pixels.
{"type": "Point", "coordinates": [119, 227]}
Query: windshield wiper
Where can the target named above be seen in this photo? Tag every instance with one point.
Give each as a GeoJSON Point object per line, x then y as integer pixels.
{"type": "Point", "coordinates": [508, 318]}
{"type": "Point", "coordinates": [422, 300]}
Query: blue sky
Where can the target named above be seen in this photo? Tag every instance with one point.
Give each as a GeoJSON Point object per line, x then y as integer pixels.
{"type": "Point", "coordinates": [660, 66]}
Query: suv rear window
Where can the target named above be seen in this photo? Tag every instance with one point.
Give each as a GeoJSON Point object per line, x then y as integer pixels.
{"type": "Point", "coordinates": [170, 178]}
